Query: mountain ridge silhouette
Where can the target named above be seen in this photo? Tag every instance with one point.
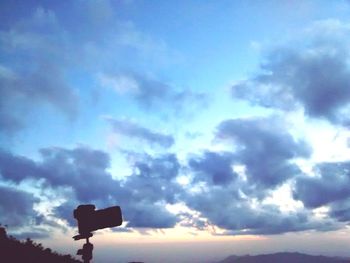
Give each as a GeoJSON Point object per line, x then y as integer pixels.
{"type": "Point", "coordinates": [285, 257]}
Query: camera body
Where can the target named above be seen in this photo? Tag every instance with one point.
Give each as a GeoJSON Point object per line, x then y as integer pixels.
{"type": "Point", "coordinates": [89, 219]}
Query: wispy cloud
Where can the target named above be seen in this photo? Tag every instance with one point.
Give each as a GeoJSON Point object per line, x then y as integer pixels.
{"type": "Point", "coordinates": [134, 130]}
{"type": "Point", "coordinates": [150, 93]}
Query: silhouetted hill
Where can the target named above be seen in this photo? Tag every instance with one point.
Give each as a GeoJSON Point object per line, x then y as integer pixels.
{"type": "Point", "coordinates": [15, 251]}
{"type": "Point", "coordinates": [283, 257]}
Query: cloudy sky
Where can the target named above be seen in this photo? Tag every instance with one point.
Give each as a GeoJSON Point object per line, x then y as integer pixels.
{"type": "Point", "coordinates": [219, 127]}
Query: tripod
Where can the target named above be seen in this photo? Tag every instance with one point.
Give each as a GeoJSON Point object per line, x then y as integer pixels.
{"type": "Point", "coordinates": [86, 251]}
{"type": "Point", "coordinates": [89, 219]}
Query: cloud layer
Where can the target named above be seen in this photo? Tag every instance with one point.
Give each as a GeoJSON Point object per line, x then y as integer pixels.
{"type": "Point", "coordinates": [142, 195]}
{"type": "Point", "coordinates": [313, 75]}
{"type": "Point", "coordinates": [262, 150]}
{"type": "Point", "coordinates": [222, 196]}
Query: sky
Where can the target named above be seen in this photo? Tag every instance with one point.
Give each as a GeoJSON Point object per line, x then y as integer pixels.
{"type": "Point", "coordinates": [218, 127]}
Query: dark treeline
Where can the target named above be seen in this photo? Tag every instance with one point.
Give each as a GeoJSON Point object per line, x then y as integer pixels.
{"type": "Point", "coordinates": [13, 250]}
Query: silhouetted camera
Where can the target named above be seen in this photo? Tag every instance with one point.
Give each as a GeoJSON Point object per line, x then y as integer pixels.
{"type": "Point", "coordinates": [90, 219]}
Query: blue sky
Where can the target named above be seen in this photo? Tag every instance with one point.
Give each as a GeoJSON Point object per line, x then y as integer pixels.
{"type": "Point", "coordinates": [208, 122]}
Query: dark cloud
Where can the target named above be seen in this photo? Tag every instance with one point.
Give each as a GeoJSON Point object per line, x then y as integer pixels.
{"type": "Point", "coordinates": [16, 207]}
{"type": "Point", "coordinates": [314, 75]}
{"type": "Point", "coordinates": [265, 149]}
{"type": "Point", "coordinates": [152, 185]}
{"type": "Point", "coordinates": [154, 178]}
{"type": "Point", "coordinates": [214, 168]}
{"type": "Point", "coordinates": [328, 185]}
{"type": "Point", "coordinates": [134, 130]}
{"type": "Point", "coordinates": [150, 215]}
{"type": "Point", "coordinates": [17, 168]}
{"type": "Point", "coordinates": [80, 168]}
{"type": "Point", "coordinates": [223, 207]}
{"type": "Point", "coordinates": [142, 195]}
{"type": "Point", "coordinates": [65, 211]}
{"type": "Point", "coordinates": [340, 210]}
{"type": "Point", "coordinates": [150, 92]}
